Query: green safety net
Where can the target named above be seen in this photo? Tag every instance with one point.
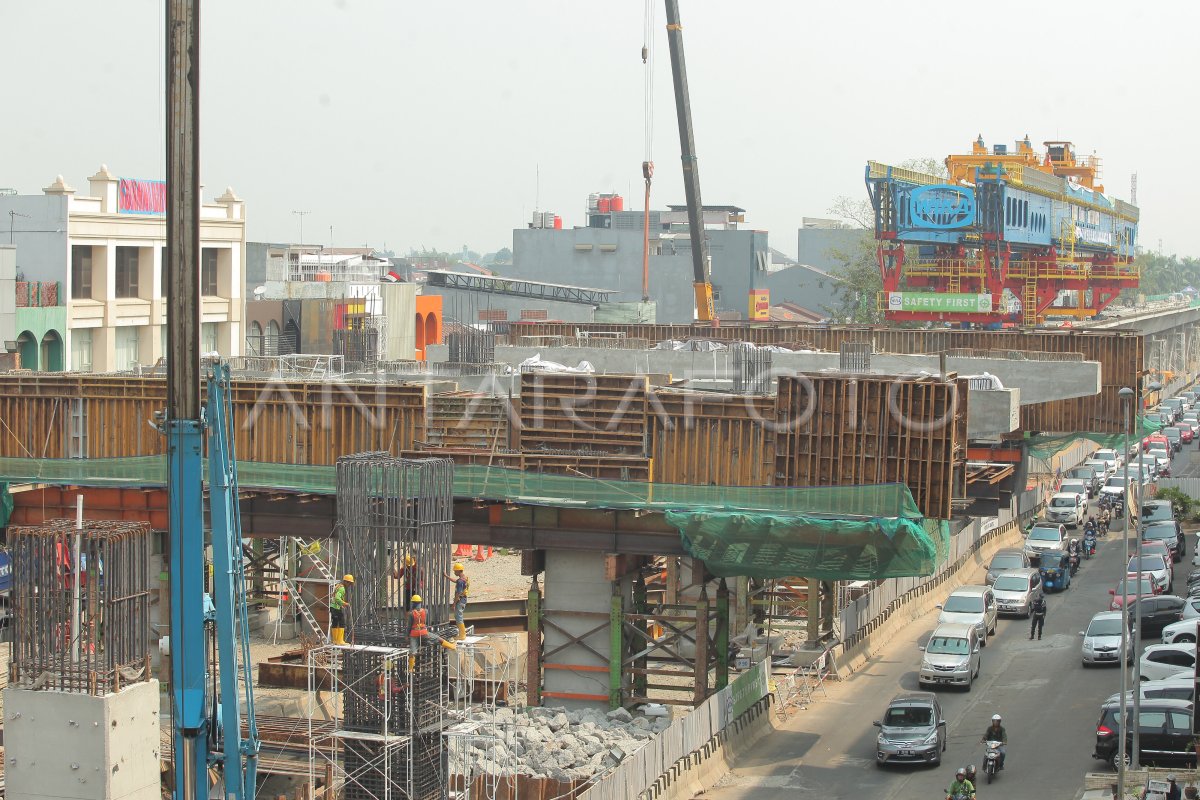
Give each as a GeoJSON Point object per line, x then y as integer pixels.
{"type": "Point", "coordinates": [1046, 446]}
{"type": "Point", "coordinates": [835, 533]}
{"type": "Point", "coordinates": [6, 504]}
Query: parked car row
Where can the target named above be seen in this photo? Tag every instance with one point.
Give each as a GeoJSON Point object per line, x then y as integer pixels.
{"type": "Point", "coordinates": [1167, 667]}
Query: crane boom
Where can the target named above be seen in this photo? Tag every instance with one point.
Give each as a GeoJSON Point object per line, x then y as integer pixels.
{"type": "Point", "coordinates": [702, 284]}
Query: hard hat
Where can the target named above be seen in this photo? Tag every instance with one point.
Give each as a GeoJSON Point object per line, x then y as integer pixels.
{"type": "Point", "coordinates": [348, 578]}
{"type": "Point", "coordinates": [995, 717]}
{"type": "Point", "coordinates": [416, 598]}
{"type": "Point", "coordinates": [458, 567]}
{"type": "Point", "coordinates": [408, 559]}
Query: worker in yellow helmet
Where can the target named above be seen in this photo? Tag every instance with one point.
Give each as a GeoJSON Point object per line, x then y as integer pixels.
{"type": "Point", "coordinates": [462, 588]}
{"type": "Point", "coordinates": [413, 577]}
{"type": "Point", "coordinates": [337, 610]}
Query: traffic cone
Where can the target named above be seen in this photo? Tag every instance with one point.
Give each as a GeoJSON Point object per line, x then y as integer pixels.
{"type": "Point", "coordinates": [479, 556]}
{"type": "Point", "coordinates": [462, 551]}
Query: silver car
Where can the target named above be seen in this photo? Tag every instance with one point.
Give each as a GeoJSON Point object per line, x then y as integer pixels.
{"type": "Point", "coordinates": [971, 605]}
{"type": "Point", "coordinates": [912, 730]}
{"type": "Point", "coordinates": [1102, 640]}
{"type": "Point", "coordinates": [951, 656]}
{"type": "Point", "coordinates": [1006, 560]}
{"type": "Point", "coordinates": [1015, 591]}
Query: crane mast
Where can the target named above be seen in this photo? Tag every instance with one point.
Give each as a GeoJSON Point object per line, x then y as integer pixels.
{"type": "Point", "coordinates": [702, 282]}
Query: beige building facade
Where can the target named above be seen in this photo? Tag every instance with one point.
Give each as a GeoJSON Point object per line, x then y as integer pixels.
{"type": "Point", "coordinates": [107, 251]}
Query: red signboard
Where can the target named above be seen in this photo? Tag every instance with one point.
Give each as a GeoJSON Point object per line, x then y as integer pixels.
{"type": "Point", "coordinates": [141, 197]}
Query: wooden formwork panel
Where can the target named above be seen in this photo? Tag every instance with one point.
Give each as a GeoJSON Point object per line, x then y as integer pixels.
{"type": "Point", "coordinates": [1120, 353]}
{"type": "Point", "coordinates": [277, 421]}
{"type": "Point", "coordinates": [362, 417]}
{"type": "Point", "coordinates": [581, 412]}
{"type": "Point", "coordinates": [849, 430]}
{"type": "Point", "coordinates": [712, 439]}
{"type": "Point", "coordinates": [468, 420]}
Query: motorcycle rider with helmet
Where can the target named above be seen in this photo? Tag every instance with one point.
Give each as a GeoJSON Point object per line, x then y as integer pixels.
{"type": "Point", "coordinates": [996, 733]}
{"type": "Point", "coordinates": [961, 789]}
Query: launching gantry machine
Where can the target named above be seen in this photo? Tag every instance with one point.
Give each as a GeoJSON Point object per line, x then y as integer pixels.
{"type": "Point", "coordinates": [1004, 239]}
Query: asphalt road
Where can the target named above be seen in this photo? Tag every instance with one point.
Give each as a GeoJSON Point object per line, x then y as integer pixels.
{"type": "Point", "coordinates": [1049, 701]}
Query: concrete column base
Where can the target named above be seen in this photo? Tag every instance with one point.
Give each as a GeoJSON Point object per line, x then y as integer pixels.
{"type": "Point", "coordinates": [64, 745]}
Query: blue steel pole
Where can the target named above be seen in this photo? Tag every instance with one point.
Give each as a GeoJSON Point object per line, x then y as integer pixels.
{"type": "Point", "coordinates": [188, 684]}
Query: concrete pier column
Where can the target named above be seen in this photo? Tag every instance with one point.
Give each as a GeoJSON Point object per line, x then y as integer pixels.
{"type": "Point", "coordinates": [577, 638]}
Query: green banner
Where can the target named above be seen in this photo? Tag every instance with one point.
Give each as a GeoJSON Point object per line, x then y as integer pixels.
{"type": "Point", "coordinates": [745, 690]}
{"type": "Point", "coordinates": [936, 301]}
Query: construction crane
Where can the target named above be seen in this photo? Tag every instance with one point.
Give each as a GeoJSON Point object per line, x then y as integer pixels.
{"type": "Point", "coordinates": [702, 283]}
{"type": "Point", "coordinates": [206, 718]}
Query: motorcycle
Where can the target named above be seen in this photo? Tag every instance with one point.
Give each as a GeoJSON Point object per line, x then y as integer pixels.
{"type": "Point", "coordinates": [991, 759]}
{"type": "Point", "coordinates": [1073, 561]}
{"type": "Point", "coordinates": [1089, 544]}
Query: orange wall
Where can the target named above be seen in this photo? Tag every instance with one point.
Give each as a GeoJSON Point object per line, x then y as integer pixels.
{"type": "Point", "coordinates": [429, 322]}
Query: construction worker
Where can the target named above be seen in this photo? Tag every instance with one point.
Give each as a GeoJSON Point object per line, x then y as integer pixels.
{"type": "Point", "coordinates": [418, 628]}
{"type": "Point", "coordinates": [462, 588]}
{"type": "Point", "coordinates": [411, 574]}
{"type": "Point", "coordinates": [337, 610]}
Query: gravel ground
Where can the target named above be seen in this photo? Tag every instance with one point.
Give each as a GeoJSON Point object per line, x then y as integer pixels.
{"type": "Point", "coordinates": [497, 578]}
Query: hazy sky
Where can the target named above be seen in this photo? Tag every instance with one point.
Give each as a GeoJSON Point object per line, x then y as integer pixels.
{"type": "Point", "coordinates": [417, 124]}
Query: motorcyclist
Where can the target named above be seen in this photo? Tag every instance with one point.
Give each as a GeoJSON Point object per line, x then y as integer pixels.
{"type": "Point", "coordinates": [1090, 525]}
{"type": "Point", "coordinates": [971, 773]}
{"type": "Point", "coordinates": [996, 733]}
{"type": "Point", "coordinates": [961, 788]}
{"type": "Point", "coordinates": [1073, 555]}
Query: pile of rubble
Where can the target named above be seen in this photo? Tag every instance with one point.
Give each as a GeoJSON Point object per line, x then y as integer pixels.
{"type": "Point", "coordinates": [556, 743]}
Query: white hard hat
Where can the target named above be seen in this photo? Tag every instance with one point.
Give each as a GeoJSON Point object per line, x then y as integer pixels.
{"type": "Point", "coordinates": [995, 717]}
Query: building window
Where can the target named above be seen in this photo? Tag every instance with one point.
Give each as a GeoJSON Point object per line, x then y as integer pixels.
{"type": "Point", "coordinates": [81, 272]}
{"type": "Point", "coordinates": [126, 349]}
{"type": "Point", "coordinates": [208, 338]}
{"type": "Point", "coordinates": [81, 350]}
{"type": "Point", "coordinates": [127, 272]}
{"type": "Point", "coordinates": [254, 343]}
{"type": "Point", "coordinates": [208, 272]}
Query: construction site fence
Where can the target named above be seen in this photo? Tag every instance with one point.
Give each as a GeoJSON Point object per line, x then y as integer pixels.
{"type": "Point", "coordinates": [1189, 486]}
{"type": "Point", "coordinates": [703, 728]}
{"type": "Point", "coordinates": [866, 613]}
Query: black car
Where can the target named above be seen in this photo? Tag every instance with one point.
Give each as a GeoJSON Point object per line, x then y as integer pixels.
{"type": "Point", "coordinates": [1155, 613]}
{"type": "Point", "coordinates": [1164, 730]}
{"type": "Point", "coordinates": [1166, 532]}
{"type": "Point", "coordinates": [1163, 511]}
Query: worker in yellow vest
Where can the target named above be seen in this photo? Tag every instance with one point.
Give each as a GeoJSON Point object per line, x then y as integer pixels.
{"type": "Point", "coordinates": [462, 588]}
{"type": "Point", "coordinates": [337, 610]}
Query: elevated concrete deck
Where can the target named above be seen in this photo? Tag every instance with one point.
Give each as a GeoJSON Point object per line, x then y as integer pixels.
{"type": "Point", "coordinates": [1038, 381]}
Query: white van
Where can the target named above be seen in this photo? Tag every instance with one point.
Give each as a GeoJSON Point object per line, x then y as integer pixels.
{"type": "Point", "coordinates": [951, 656]}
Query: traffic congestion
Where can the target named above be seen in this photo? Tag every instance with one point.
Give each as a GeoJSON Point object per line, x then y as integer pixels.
{"type": "Point", "coordinates": [1094, 512]}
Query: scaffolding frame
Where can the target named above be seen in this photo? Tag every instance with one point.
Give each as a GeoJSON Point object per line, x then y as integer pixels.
{"type": "Point", "coordinates": [483, 674]}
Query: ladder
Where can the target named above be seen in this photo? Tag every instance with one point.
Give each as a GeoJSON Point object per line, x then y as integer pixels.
{"type": "Point", "coordinates": [304, 610]}
{"type": "Point", "coordinates": [1029, 302]}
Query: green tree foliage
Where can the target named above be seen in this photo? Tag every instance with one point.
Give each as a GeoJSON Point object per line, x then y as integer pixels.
{"type": "Point", "coordinates": [1162, 274]}
{"type": "Point", "coordinates": [1181, 503]}
{"type": "Point", "coordinates": [857, 269]}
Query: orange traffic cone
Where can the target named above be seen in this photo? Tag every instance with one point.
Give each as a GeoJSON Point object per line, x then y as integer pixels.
{"type": "Point", "coordinates": [479, 556]}
{"type": "Point", "coordinates": [462, 551]}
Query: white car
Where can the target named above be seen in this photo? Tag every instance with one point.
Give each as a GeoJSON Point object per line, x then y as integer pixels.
{"type": "Point", "coordinates": [1115, 487]}
{"type": "Point", "coordinates": [1075, 486]}
{"type": "Point", "coordinates": [1178, 687]}
{"type": "Point", "coordinates": [1045, 536]}
{"type": "Point", "coordinates": [1109, 456]}
{"type": "Point", "coordinates": [1156, 567]}
{"type": "Point", "coordinates": [971, 605]}
{"type": "Point", "coordinates": [1166, 660]}
{"type": "Point", "coordinates": [1103, 466]}
{"type": "Point", "coordinates": [1191, 608]}
{"type": "Point", "coordinates": [1182, 631]}
{"type": "Point", "coordinates": [1068, 508]}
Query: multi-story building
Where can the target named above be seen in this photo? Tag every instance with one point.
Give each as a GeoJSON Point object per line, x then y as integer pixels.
{"type": "Point", "coordinates": [607, 254]}
{"type": "Point", "coordinates": [106, 252]}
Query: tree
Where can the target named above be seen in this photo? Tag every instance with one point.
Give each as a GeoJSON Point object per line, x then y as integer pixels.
{"type": "Point", "coordinates": [858, 281]}
{"type": "Point", "coordinates": [930, 166]}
